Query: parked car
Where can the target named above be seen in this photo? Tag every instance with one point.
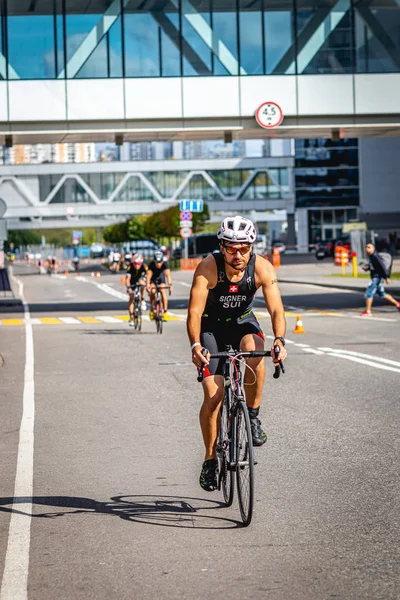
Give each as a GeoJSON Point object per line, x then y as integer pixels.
{"type": "Point", "coordinates": [199, 245]}
{"type": "Point", "coordinates": [144, 247]}
{"type": "Point", "coordinates": [98, 251]}
{"type": "Point", "coordinates": [326, 248]}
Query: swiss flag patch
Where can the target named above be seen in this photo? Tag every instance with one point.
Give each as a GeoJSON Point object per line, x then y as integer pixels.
{"type": "Point", "coordinates": [233, 289]}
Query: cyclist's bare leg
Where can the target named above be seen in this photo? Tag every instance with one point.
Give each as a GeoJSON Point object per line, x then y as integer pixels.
{"type": "Point", "coordinates": [254, 392]}
{"type": "Point", "coordinates": [152, 296]}
{"type": "Point", "coordinates": [164, 296]}
{"type": "Point", "coordinates": [213, 387]}
{"type": "Point", "coordinates": [130, 305]}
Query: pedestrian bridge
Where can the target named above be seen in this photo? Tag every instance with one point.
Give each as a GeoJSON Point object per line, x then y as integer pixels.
{"type": "Point", "coordinates": [199, 108]}
{"type": "Point", "coordinates": [98, 194]}
{"type": "Point", "coordinates": [169, 70]}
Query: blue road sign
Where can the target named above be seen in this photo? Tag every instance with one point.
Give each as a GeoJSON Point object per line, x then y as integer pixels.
{"type": "Point", "coordinates": [192, 205]}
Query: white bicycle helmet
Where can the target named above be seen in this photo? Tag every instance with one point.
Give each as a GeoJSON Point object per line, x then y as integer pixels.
{"type": "Point", "coordinates": [137, 259]}
{"type": "Point", "coordinates": [237, 229]}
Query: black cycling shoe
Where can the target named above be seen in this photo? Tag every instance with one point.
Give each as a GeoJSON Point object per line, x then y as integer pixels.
{"type": "Point", "coordinates": [258, 434]}
{"type": "Point", "coordinates": [209, 475]}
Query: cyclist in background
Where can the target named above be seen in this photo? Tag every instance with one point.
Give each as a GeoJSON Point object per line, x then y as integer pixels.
{"type": "Point", "coordinates": [221, 313]}
{"type": "Point", "coordinates": [158, 273]}
{"type": "Point", "coordinates": [127, 259]}
{"type": "Point", "coordinates": [135, 275]}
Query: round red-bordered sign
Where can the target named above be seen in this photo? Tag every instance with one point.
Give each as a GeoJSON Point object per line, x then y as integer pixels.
{"type": "Point", "coordinates": [269, 115]}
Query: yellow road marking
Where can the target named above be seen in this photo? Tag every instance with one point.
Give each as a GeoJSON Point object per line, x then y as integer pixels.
{"type": "Point", "coordinates": [121, 317]}
{"type": "Point", "coordinates": [88, 320]}
{"type": "Point", "coordinates": [50, 321]}
{"type": "Point", "coordinates": [12, 321]}
{"type": "Point", "coordinates": [168, 317]}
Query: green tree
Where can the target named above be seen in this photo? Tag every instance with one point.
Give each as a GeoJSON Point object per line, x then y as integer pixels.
{"type": "Point", "coordinates": [117, 233]}
{"type": "Point", "coordinates": [136, 227]}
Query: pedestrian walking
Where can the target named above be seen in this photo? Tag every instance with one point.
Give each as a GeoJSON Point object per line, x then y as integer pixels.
{"type": "Point", "coordinates": [380, 272]}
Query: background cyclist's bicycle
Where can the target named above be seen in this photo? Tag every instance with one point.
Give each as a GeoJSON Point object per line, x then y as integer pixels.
{"type": "Point", "coordinates": [136, 290]}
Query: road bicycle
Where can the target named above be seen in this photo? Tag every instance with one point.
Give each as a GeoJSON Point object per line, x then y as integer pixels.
{"type": "Point", "coordinates": [235, 450]}
{"type": "Point", "coordinates": [159, 307]}
{"type": "Point", "coordinates": [137, 305]}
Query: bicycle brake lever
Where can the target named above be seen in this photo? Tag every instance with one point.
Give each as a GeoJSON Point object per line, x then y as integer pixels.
{"type": "Point", "coordinates": [200, 376]}
{"type": "Point", "coordinates": [279, 367]}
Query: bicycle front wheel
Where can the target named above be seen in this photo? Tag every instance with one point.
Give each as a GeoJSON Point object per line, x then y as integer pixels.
{"type": "Point", "coordinates": [226, 471]}
{"type": "Point", "coordinates": [244, 463]}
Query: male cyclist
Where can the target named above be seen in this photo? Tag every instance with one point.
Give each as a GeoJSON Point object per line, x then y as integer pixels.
{"type": "Point", "coordinates": [136, 274]}
{"type": "Point", "coordinates": [220, 313]}
{"type": "Point", "coordinates": [158, 273]}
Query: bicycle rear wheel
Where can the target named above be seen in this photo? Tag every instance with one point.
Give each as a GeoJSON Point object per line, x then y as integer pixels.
{"type": "Point", "coordinates": [136, 309]}
{"type": "Point", "coordinates": [226, 472]}
{"type": "Point", "coordinates": [244, 463]}
{"type": "Point", "coordinates": [159, 316]}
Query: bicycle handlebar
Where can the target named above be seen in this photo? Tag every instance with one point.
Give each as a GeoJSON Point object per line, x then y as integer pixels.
{"type": "Point", "coordinates": [245, 354]}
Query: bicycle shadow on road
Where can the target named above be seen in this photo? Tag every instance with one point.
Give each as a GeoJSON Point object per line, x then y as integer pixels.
{"type": "Point", "coordinates": [162, 511]}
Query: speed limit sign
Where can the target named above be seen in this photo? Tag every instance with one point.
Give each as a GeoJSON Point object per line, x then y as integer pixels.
{"type": "Point", "coordinates": [269, 115]}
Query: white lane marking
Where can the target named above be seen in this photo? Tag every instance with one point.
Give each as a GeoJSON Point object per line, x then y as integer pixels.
{"type": "Point", "coordinates": [35, 321]}
{"type": "Point", "coordinates": [70, 321]}
{"type": "Point", "coordinates": [15, 576]}
{"type": "Point", "coordinates": [184, 284]}
{"type": "Point", "coordinates": [262, 313]}
{"type": "Point", "coordinates": [271, 337]}
{"type": "Point", "coordinates": [370, 318]}
{"type": "Point", "coordinates": [105, 288]}
{"type": "Point", "coordinates": [302, 345]}
{"type": "Point", "coordinates": [363, 362]}
{"type": "Point", "coordinates": [312, 351]}
{"type": "Point", "coordinates": [380, 359]}
{"type": "Point", "coordinates": [108, 319]}
{"type": "Point", "coordinates": [57, 276]}
{"type": "Point", "coordinates": [321, 287]}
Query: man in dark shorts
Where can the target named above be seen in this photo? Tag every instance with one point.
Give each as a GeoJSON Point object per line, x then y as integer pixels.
{"type": "Point", "coordinates": [136, 274]}
{"type": "Point", "coordinates": [160, 273]}
{"type": "Point", "coordinates": [220, 313]}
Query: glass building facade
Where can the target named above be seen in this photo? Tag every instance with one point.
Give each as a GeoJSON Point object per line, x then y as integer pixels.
{"type": "Point", "coordinates": [57, 39]}
{"type": "Point", "coordinates": [327, 184]}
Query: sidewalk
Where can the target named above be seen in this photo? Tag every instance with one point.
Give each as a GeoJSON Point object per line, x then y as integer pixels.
{"type": "Point", "coordinates": [319, 273]}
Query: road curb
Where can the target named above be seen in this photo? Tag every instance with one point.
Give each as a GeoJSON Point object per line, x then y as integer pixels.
{"type": "Point", "coordinates": [351, 288]}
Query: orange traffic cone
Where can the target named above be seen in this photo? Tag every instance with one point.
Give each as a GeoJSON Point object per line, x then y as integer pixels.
{"type": "Point", "coordinates": [299, 326]}
{"type": "Point", "coordinates": [122, 279]}
{"type": "Point", "coordinates": [98, 275]}
{"type": "Point", "coordinates": [66, 272]}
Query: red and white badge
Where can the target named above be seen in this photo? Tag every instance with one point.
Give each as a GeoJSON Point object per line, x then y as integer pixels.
{"type": "Point", "coordinates": [233, 289]}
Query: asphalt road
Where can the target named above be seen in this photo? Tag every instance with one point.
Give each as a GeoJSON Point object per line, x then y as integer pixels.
{"type": "Point", "coordinates": [116, 509]}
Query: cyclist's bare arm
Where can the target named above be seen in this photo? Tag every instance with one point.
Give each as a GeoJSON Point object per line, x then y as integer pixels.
{"type": "Point", "coordinates": [267, 279]}
{"type": "Point", "coordinates": [149, 275]}
{"type": "Point", "coordinates": [128, 281]}
{"type": "Point", "coordinates": [204, 279]}
{"type": "Point", "coordinates": [168, 278]}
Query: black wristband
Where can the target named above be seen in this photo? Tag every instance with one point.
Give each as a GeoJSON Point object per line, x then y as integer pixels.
{"type": "Point", "coordinates": [281, 339]}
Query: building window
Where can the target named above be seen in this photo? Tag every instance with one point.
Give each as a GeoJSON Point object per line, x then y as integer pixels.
{"type": "Point", "coordinates": [33, 51]}
{"type": "Point", "coordinates": [324, 37]}
{"type": "Point", "coordinates": [94, 41]}
{"type": "Point", "coordinates": [251, 37]}
{"type": "Point", "coordinates": [377, 36]}
{"type": "Point", "coordinates": [279, 37]}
